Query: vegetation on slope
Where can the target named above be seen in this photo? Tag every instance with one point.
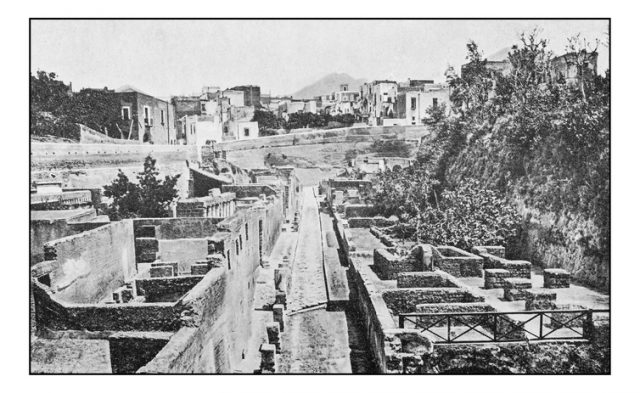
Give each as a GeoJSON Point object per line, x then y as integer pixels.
{"type": "Point", "coordinates": [55, 110]}
{"type": "Point", "coordinates": [540, 141]}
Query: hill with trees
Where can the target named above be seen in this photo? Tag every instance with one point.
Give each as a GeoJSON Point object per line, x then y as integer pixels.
{"type": "Point", "coordinates": [537, 141]}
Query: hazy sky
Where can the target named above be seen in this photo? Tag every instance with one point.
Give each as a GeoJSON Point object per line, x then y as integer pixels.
{"type": "Point", "coordinates": [166, 58]}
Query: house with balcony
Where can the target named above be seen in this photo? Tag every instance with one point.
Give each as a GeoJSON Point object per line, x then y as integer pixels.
{"type": "Point", "coordinates": [146, 118]}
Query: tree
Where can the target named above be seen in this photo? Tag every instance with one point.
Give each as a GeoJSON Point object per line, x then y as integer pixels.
{"type": "Point", "coordinates": [150, 197]}
{"type": "Point", "coordinates": [268, 122]}
{"type": "Point", "coordinates": [407, 193]}
{"type": "Point", "coordinates": [56, 110]}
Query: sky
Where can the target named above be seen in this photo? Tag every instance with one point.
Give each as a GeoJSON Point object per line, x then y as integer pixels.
{"type": "Point", "coordinates": [175, 57]}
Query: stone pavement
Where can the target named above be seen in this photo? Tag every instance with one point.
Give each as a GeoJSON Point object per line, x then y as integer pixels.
{"type": "Point", "coordinates": [316, 340]}
{"type": "Point", "coordinates": [308, 287]}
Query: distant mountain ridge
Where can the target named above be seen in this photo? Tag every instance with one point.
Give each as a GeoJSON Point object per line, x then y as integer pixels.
{"type": "Point", "coordinates": [328, 84]}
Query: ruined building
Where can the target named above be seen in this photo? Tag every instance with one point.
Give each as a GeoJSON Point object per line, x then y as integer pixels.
{"type": "Point", "coordinates": [162, 295]}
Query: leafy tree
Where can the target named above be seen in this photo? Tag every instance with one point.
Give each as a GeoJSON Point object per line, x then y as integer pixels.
{"type": "Point", "coordinates": [268, 122]}
{"type": "Point", "coordinates": [55, 109]}
{"type": "Point", "coordinates": [531, 135]}
{"type": "Point", "coordinates": [435, 113]}
{"type": "Point", "coordinates": [149, 197]}
{"type": "Point", "coordinates": [465, 216]}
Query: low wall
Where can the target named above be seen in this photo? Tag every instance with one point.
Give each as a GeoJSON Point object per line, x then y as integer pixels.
{"type": "Point", "coordinates": [165, 289]}
{"type": "Point", "coordinates": [359, 211]}
{"type": "Point", "coordinates": [57, 315]}
{"type": "Point", "coordinates": [368, 222]}
{"type": "Point", "coordinates": [348, 134]}
{"type": "Point", "coordinates": [180, 227]}
{"type": "Point", "coordinates": [375, 315]}
{"type": "Point", "coordinates": [83, 165]}
{"type": "Point", "coordinates": [426, 280]}
{"type": "Point", "coordinates": [405, 300]}
{"type": "Point", "coordinates": [387, 264]}
{"type": "Point", "coordinates": [457, 262]}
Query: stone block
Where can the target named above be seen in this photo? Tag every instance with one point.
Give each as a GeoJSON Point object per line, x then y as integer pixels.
{"type": "Point", "coordinates": [200, 268]}
{"type": "Point", "coordinates": [424, 280]}
{"type": "Point", "coordinates": [161, 271]}
{"type": "Point", "coordinates": [539, 299]}
{"type": "Point", "coordinates": [569, 319]}
{"type": "Point", "coordinates": [556, 278]}
{"type": "Point", "coordinates": [494, 278]}
{"type": "Point", "coordinates": [123, 295]}
{"type": "Point", "coordinates": [273, 335]}
{"type": "Point", "coordinates": [278, 315]}
{"type": "Point", "coordinates": [514, 288]}
{"type": "Point", "coordinates": [268, 358]}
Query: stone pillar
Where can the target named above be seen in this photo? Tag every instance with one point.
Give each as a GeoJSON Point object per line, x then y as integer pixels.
{"type": "Point", "coordinates": [278, 279]}
{"type": "Point", "coordinates": [268, 358]}
{"type": "Point", "coordinates": [273, 334]}
{"type": "Point", "coordinates": [281, 298]}
{"type": "Point", "coordinates": [278, 315]}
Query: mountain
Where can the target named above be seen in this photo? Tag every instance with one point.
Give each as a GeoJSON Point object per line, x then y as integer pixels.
{"type": "Point", "coordinates": [328, 84]}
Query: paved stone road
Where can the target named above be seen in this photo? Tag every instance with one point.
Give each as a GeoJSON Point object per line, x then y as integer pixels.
{"type": "Point", "coordinates": [314, 341]}
{"type": "Point", "coordinates": [308, 288]}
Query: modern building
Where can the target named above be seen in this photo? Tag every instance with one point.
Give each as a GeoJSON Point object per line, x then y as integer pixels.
{"type": "Point", "coordinates": [569, 66]}
{"type": "Point", "coordinates": [379, 101]}
{"type": "Point", "coordinates": [146, 118]}
{"type": "Point", "coordinates": [252, 96]}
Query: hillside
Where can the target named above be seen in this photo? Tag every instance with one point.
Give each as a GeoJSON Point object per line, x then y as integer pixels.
{"type": "Point", "coordinates": [328, 84]}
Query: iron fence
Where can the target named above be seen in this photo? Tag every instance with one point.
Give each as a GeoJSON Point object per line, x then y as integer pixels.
{"type": "Point", "coordinates": [494, 326]}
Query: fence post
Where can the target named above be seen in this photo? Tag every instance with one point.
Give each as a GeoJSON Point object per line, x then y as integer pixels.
{"type": "Point", "coordinates": [495, 327]}
{"type": "Point", "coordinates": [588, 328]}
{"type": "Point", "coordinates": [448, 328]}
{"type": "Point", "coordinates": [401, 321]}
{"type": "Point", "coordinates": [541, 325]}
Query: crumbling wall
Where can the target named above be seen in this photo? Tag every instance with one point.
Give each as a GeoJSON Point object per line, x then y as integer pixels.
{"type": "Point", "coordinates": [405, 300]}
{"type": "Point", "coordinates": [90, 265]}
{"type": "Point", "coordinates": [457, 262]}
{"type": "Point", "coordinates": [216, 313]}
{"type": "Point", "coordinates": [57, 315]}
{"type": "Point", "coordinates": [388, 264]}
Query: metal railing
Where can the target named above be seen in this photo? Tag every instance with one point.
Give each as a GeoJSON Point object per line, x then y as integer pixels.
{"type": "Point", "coordinates": [494, 326]}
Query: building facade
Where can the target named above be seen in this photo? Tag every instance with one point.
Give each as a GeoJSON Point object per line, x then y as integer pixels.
{"type": "Point", "coordinates": [148, 119]}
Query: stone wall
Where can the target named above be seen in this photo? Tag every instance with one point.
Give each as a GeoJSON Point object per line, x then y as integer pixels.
{"type": "Point", "coordinates": [57, 315]}
{"type": "Point", "coordinates": [405, 300]}
{"type": "Point", "coordinates": [88, 266]}
{"type": "Point", "coordinates": [359, 211]}
{"type": "Point", "coordinates": [44, 230]}
{"type": "Point", "coordinates": [94, 165]}
{"type": "Point", "coordinates": [457, 262]}
{"type": "Point", "coordinates": [426, 280]}
{"type": "Point", "coordinates": [180, 227]}
{"type": "Point", "coordinates": [388, 264]}
{"type": "Point", "coordinates": [368, 222]}
{"type": "Point", "coordinates": [216, 313]}
{"type": "Point", "coordinates": [165, 289]}
{"type": "Point", "coordinates": [337, 135]}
